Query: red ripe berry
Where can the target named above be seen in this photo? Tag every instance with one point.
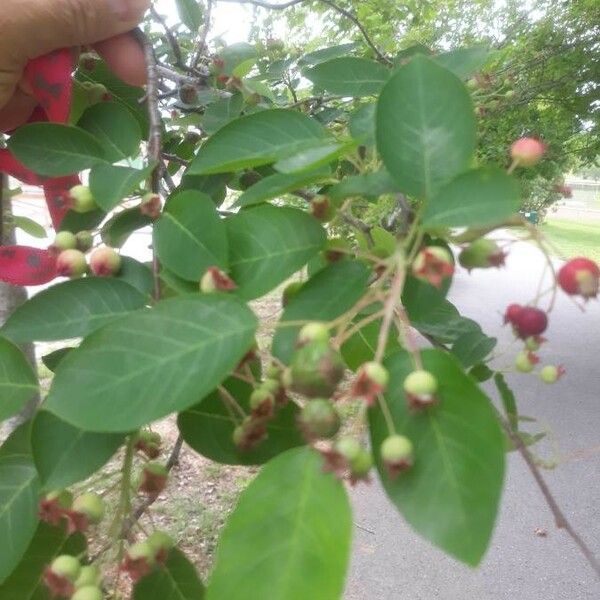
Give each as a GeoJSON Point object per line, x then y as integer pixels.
{"type": "Point", "coordinates": [580, 276]}
{"type": "Point", "coordinates": [527, 152]}
{"type": "Point", "coordinates": [530, 321]}
{"type": "Point", "coordinates": [512, 313]}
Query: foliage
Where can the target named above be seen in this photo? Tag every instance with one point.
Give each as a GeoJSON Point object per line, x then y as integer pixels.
{"type": "Point", "coordinates": [267, 157]}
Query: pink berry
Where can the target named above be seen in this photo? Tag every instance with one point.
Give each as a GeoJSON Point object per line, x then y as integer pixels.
{"type": "Point", "coordinates": [530, 321]}
{"type": "Point", "coordinates": [71, 263]}
{"type": "Point", "coordinates": [105, 262]}
{"type": "Point", "coordinates": [580, 276]}
{"type": "Point", "coordinates": [527, 152]}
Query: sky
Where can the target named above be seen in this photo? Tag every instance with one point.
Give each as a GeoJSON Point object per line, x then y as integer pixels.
{"type": "Point", "coordinates": [230, 21]}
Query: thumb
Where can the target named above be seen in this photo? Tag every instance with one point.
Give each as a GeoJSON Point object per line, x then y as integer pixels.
{"type": "Point", "coordinates": [31, 28]}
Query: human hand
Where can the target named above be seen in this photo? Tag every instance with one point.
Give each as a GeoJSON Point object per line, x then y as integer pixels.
{"type": "Point", "coordinates": [32, 28]}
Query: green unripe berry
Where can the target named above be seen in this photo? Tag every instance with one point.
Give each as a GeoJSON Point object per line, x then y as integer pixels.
{"type": "Point", "coordinates": [84, 240]}
{"type": "Point", "coordinates": [90, 505]}
{"type": "Point", "coordinates": [523, 362]}
{"type": "Point", "coordinates": [71, 263]}
{"type": "Point", "coordinates": [397, 448]}
{"type": "Point", "coordinates": [551, 373]}
{"type": "Point", "coordinates": [142, 550]}
{"type": "Point", "coordinates": [159, 540]}
{"type": "Point", "coordinates": [64, 498]}
{"type": "Point", "coordinates": [313, 332]}
{"type": "Point", "coordinates": [319, 419]}
{"type": "Point", "coordinates": [349, 448]}
{"type": "Point", "coordinates": [65, 240]}
{"type": "Point", "coordinates": [66, 566]}
{"type": "Point", "coordinates": [420, 383]}
{"type": "Point", "coordinates": [361, 464]}
{"type": "Point", "coordinates": [88, 576]}
{"type": "Point", "coordinates": [81, 199]}
{"type": "Point", "coordinates": [89, 592]}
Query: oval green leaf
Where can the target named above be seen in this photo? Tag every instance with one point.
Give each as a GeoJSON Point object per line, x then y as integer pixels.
{"type": "Point", "coordinates": [55, 150]}
{"type": "Point", "coordinates": [114, 128]}
{"type": "Point", "coordinates": [268, 244]}
{"type": "Point", "coordinates": [425, 127]}
{"type": "Point", "coordinates": [151, 363]}
{"type": "Point", "coordinates": [349, 76]}
{"type": "Point", "coordinates": [329, 294]}
{"type": "Point", "coordinates": [208, 428]}
{"type": "Point", "coordinates": [477, 198]}
{"type": "Point", "coordinates": [190, 236]}
{"type": "Point", "coordinates": [18, 500]}
{"type": "Point", "coordinates": [18, 382]}
{"type": "Point", "coordinates": [177, 579]}
{"type": "Point", "coordinates": [289, 536]}
{"type": "Point", "coordinates": [257, 139]}
{"type": "Point", "coordinates": [72, 309]}
{"type": "Point", "coordinates": [26, 581]}
{"type": "Point", "coordinates": [64, 454]}
{"type": "Point", "coordinates": [459, 457]}
{"type": "Point", "coordinates": [116, 231]}
{"type": "Point", "coordinates": [110, 184]}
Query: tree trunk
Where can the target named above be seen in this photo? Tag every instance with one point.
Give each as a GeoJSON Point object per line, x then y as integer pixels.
{"type": "Point", "coordinates": [12, 296]}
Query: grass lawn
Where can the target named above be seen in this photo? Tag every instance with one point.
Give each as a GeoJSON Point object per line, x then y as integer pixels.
{"type": "Point", "coordinates": [574, 239]}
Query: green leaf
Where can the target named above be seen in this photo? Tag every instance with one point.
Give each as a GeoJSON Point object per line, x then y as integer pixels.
{"type": "Point", "coordinates": [452, 492]}
{"type": "Point", "coordinates": [72, 309]}
{"type": "Point", "coordinates": [26, 581]}
{"type": "Point", "coordinates": [238, 58]}
{"type": "Point", "coordinates": [371, 185]}
{"type": "Point", "coordinates": [111, 184]}
{"type": "Point", "coordinates": [151, 363]}
{"type": "Point", "coordinates": [116, 231]}
{"type": "Point", "coordinates": [172, 285]}
{"type": "Point", "coordinates": [472, 347]}
{"type": "Point", "coordinates": [477, 198]}
{"type": "Point", "coordinates": [128, 96]}
{"type": "Point", "coordinates": [137, 275]}
{"type": "Point", "coordinates": [257, 139]}
{"type": "Point", "coordinates": [64, 454]}
{"type": "Point", "coordinates": [208, 428]}
{"type": "Point", "coordinates": [463, 62]}
{"type": "Point", "coordinates": [190, 14]}
{"type": "Point", "coordinates": [318, 155]}
{"type": "Point", "coordinates": [52, 360]}
{"type": "Point", "coordinates": [114, 128]}
{"type": "Point", "coordinates": [18, 382]}
{"type": "Point", "coordinates": [361, 347]}
{"type": "Point", "coordinates": [328, 294]}
{"type": "Point", "coordinates": [289, 536]}
{"type": "Point", "coordinates": [349, 76]}
{"type": "Point", "coordinates": [214, 186]}
{"type": "Point", "coordinates": [221, 112]}
{"type": "Point", "coordinates": [432, 314]}
{"type": "Point", "coordinates": [279, 184]}
{"type": "Point", "coordinates": [268, 244]}
{"type": "Point", "coordinates": [55, 150]}
{"type": "Point", "coordinates": [425, 127]}
{"type": "Point", "coordinates": [509, 401]}
{"type": "Point", "coordinates": [76, 222]}
{"type": "Point", "coordinates": [18, 505]}
{"type": "Point", "coordinates": [362, 124]}
{"type": "Point", "coordinates": [326, 54]}
{"type": "Point", "coordinates": [190, 236]}
{"type": "Point", "coordinates": [177, 579]}
{"type": "Point", "coordinates": [30, 227]}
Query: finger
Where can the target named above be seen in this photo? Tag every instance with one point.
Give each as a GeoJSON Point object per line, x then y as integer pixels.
{"type": "Point", "coordinates": [17, 111]}
{"type": "Point", "coordinates": [32, 28]}
{"type": "Point", "coordinates": [125, 57]}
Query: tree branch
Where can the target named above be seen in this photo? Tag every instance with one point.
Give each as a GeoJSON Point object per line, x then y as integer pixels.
{"type": "Point", "coordinates": [171, 39]}
{"type": "Point", "coordinates": [342, 11]}
{"type": "Point", "coordinates": [559, 517]}
{"type": "Point", "coordinates": [201, 43]}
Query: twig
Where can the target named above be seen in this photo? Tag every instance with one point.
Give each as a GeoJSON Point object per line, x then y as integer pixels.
{"type": "Point", "coordinates": [365, 229]}
{"type": "Point", "coordinates": [388, 314]}
{"type": "Point", "coordinates": [171, 39]}
{"type": "Point", "coordinates": [559, 517]}
{"type": "Point", "coordinates": [176, 159]}
{"type": "Point", "coordinates": [201, 43]}
{"type": "Point", "coordinates": [154, 139]}
{"type": "Point", "coordinates": [342, 11]}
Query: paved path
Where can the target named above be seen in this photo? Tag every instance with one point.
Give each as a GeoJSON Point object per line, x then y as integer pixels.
{"type": "Point", "coordinates": [393, 563]}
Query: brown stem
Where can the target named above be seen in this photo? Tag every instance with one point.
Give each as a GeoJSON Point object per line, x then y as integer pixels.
{"type": "Point", "coordinates": [388, 314]}
{"type": "Point", "coordinates": [201, 43]}
{"type": "Point", "coordinates": [559, 518]}
{"type": "Point", "coordinates": [171, 39]}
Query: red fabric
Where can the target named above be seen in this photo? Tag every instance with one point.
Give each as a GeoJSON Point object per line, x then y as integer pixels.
{"type": "Point", "coordinates": [50, 79]}
{"type": "Point", "coordinates": [21, 265]}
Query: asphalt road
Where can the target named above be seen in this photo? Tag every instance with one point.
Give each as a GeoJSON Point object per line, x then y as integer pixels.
{"type": "Point", "coordinates": [391, 562]}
